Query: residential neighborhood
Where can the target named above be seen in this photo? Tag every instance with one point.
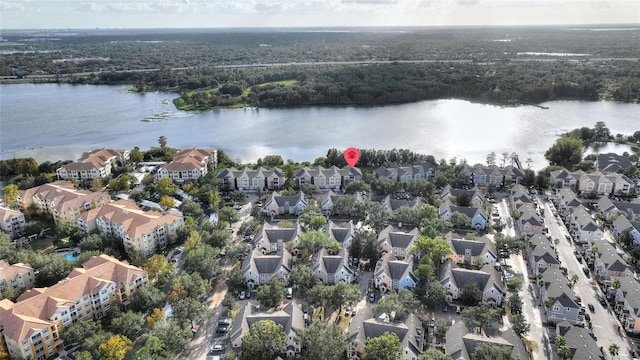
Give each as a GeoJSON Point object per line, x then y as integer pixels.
{"type": "Point", "coordinates": [212, 258]}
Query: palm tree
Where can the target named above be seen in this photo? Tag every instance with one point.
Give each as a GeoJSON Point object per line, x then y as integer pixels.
{"type": "Point", "coordinates": [564, 352]}
{"type": "Point", "coordinates": [614, 349]}
{"type": "Point", "coordinates": [548, 303]}
{"type": "Point", "coordinates": [616, 284]}
{"type": "Point", "coordinates": [573, 279]}
{"type": "Point", "coordinates": [559, 341]}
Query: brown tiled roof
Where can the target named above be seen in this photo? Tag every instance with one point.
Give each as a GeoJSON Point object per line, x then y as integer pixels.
{"type": "Point", "coordinates": [35, 308]}
{"type": "Point", "coordinates": [6, 213]}
{"type": "Point", "coordinates": [63, 195]}
{"type": "Point", "coordinates": [127, 214]}
{"type": "Point", "coordinates": [8, 272]}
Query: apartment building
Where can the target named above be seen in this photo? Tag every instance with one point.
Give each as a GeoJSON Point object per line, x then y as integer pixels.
{"type": "Point", "coordinates": [141, 231]}
{"type": "Point", "coordinates": [188, 165]}
{"type": "Point", "coordinates": [17, 276]}
{"type": "Point", "coordinates": [94, 164]}
{"type": "Point", "coordinates": [12, 222]}
{"type": "Point", "coordinates": [62, 200]}
{"type": "Point", "coordinates": [31, 328]}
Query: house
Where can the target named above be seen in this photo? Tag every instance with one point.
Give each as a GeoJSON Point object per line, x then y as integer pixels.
{"type": "Point", "coordinates": [608, 262]}
{"type": "Point", "coordinates": [473, 196]}
{"type": "Point", "coordinates": [472, 252]}
{"type": "Point", "coordinates": [18, 277]}
{"type": "Point", "coordinates": [329, 198]}
{"type": "Point", "coordinates": [564, 178]}
{"type": "Point", "coordinates": [12, 222]}
{"type": "Point", "coordinates": [541, 254]}
{"type": "Point", "coordinates": [622, 185]}
{"type": "Point", "coordinates": [454, 279]}
{"type": "Point", "coordinates": [630, 208]}
{"type": "Point", "coordinates": [606, 208]}
{"type": "Point", "coordinates": [332, 268]}
{"type": "Point", "coordinates": [626, 302]}
{"type": "Point", "coordinates": [62, 200]}
{"type": "Point", "coordinates": [410, 332]}
{"type": "Point", "coordinates": [611, 162]}
{"type": "Point", "coordinates": [343, 233]}
{"type": "Point", "coordinates": [565, 200]}
{"type": "Point", "coordinates": [33, 325]}
{"type": "Point", "coordinates": [271, 238]}
{"type": "Point", "coordinates": [392, 273]}
{"type": "Point", "coordinates": [397, 242]}
{"type": "Point", "coordinates": [622, 225]}
{"type": "Point", "coordinates": [141, 231]}
{"type": "Point", "coordinates": [96, 164]}
{"type": "Point", "coordinates": [581, 341]}
{"type": "Point", "coordinates": [251, 180]}
{"type": "Point", "coordinates": [279, 204]}
{"type": "Point", "coordinates": [259, 269]}
{"type": "Point", "coordinates": [583, 226]}
{"type": "Point", "coordinates": [478, 216]}
{"type": "Point", "coordinates": [188, 165]}
{"type": "Point", "coordinates": [461, 342]}
{"type": "Point", "coordinates": [327, 178]}
{"type": "Point", "coordinates": [390, 204]}
{"type": "Point", "coordinates": [529, 221]}
{"type": "Point", "coordinates": [595, 182]}
{"type": "Point", "coordinates": [289, 317]}
{"type": "Point", "coordinates": [564, 306]}
{"type": "Point", "coordinates": [519, 195]}
{"type": "Point", "coordinates": [408, 172]}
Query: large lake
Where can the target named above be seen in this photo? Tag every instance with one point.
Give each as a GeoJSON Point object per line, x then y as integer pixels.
{"type": "Point", "coordinates": [51, 122]}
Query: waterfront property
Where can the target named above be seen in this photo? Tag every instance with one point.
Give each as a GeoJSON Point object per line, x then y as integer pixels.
{"type": "Point", "coordinates": [31, 327]}
{"type": "Point", "coordinates": [188, 165]}
{"type": "Point", "coordinates": [62, 200]}
{"type": "Point", "coordinates": [94, 164]}
{"type": "Point", "coordinates": [143, 231]}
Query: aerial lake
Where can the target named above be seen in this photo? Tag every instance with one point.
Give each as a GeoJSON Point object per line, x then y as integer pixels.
{"type": "Point", "coordinates": [52, 122]}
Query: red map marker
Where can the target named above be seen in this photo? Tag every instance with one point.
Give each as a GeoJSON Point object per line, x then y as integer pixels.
{"type": "Point", "coordinates": [351, 155]}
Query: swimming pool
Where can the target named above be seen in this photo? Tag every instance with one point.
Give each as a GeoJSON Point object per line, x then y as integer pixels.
{"type": "Point", "coordinates": [70, 257]}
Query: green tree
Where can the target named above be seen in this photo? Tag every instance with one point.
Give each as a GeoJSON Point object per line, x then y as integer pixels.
{"type": "Point", "coordinates": [128, 323]}
{"type": "Point", "coordinates": [271, 295]}
{"type": "Point", "coordinates": [203, 259]}
{"type": "Point", "coordinates": [167, 202]}
{"type": "Point", "coordinates": [342, 294]}
{"type": "Point", "coordinates": [173, 335]}
{"type": "Point", "coordinates": [147, 297]}
{"type": "Point", "coordinates": [384, 347]}
{"type": "Point", "coordinates": [228, 214]}
{"type": "Point", "coordinates": [153, 348]}
{"type": "Point", "coordinates": [190, 311]}
{"type": "Point", "coordinates": [303, 278]}
{"type": "Point", "coordinates": [482, 315]}
{"type": "Point", "coordinates": [433, 354]}
{"type": "Point", "coordinates": [564, 352]}
{"type": "Point", "coordinates": [559, 341]}
{"type": "Point", "coordinates": [318, 222]}
{"type": "Point", "coordinates": [166, 187]}
{"type": "Point", "coordinates": [400, 303]}
{"type": "Point", "coordinates": [323, 341]}
{"type": "Point", "coordinates": [460, 220]}
{"type": "Point", "coordinates": [313, 241]}
{"type": "Point", "coordinates": [158, 269]}
{"type": "Point", "coordinates": [514, 302]}
{"type": "Point", "coordinates": [566, 152]}
{"type": "Point", "coordinates": [614, 350]}
{"type": "Point", "coordinates": [10, 194]}
{"type": "Point", "coordinates": [78, 331]}
{"type": "Point", "coordinates": [162, 141]}
{"type": "Point", "coordinates": [191, 208]}
{"type": "Point", "coordinates": [135, 155]}
{"type": "Point", "coordinates": [486, 351]}
{"type": "Point", "coordinates": [436, 248]}
{"type": "Point", "coordinates": [520, 325]}
{"type": "Point", "coordinates": [265, 340]}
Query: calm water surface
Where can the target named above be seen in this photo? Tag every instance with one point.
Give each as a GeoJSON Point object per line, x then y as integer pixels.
{"type": "Point", "coordinates": [51, 122]}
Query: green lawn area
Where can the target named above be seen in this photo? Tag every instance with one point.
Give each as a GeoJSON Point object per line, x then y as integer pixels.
{"type": "Point", "coordinates": [42, 244]}
{"type": "Point", "coordinates": [281, 82]}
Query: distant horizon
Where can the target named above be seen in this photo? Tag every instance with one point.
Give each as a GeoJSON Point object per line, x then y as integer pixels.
{"type": "Point", "coordinates": [161, 14]}
{"type": "Point", "coordinates": [586, 26]}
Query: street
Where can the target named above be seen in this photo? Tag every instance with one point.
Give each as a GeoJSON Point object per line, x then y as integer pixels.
{"type": "Point", "coordinates": [603, 320]}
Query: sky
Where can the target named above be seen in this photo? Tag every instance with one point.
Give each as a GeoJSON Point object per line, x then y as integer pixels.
{"type": "Point", "coordinates": [63, 14]}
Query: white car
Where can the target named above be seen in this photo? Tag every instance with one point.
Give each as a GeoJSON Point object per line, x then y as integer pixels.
{"type": "Point", "coordinates": [242, 295]}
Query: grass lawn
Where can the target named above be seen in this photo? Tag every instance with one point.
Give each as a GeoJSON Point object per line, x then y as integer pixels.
{"type": "Point", "coordinates": [42, 244]}
{"type": "Point", "coordinates": [281, 82]}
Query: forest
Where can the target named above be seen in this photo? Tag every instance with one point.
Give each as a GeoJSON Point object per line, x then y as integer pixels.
{"type": "Point", "coordinates": [211, 68]}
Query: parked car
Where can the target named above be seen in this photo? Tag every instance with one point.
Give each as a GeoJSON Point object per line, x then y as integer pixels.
{"type": "Point", "coordinates": [289, 293]}
{"type": "Point", "coordinates": [585, 271]}
{"type": "Point", "coordinates": [445, 308]}
{"type": "Point", "coordinates": [458, 310]}
{"type": "Point", "coordinates": [372, 297]}
{"type": "Point", "coordinates": [587, 317]}
{"type": "Point", "coordinates": [242, 295]}
{"type": "Point", "coordinates": [591, 308]}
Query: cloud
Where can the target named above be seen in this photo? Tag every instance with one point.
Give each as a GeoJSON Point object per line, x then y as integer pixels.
{"type": "Point", "coordinates": [11, 6]}
{"type": "Point", "coordinates": [371, 2]}
{"type": "Point", "coordinates": [89, 7]}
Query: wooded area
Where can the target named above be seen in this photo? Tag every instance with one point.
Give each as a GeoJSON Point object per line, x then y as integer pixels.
{"type": "Point", "coordinates": [360, 66]}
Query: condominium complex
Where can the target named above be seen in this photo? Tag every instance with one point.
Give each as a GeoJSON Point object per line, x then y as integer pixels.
{"type": "Point", "coordinates": [62, 200]}
{"type": "Point", "coordinates": [12, 222]}
{"type": "Point", "coordinates": [31, 327]}
{"type": "Point", "coordinates": [17, 276]}
{"type": "Point", "coordinates": [188, 165]}
{"type": "Point", "coordinates": [94, 164]}
{"type": "Point", "coordinates": [143, 231]}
